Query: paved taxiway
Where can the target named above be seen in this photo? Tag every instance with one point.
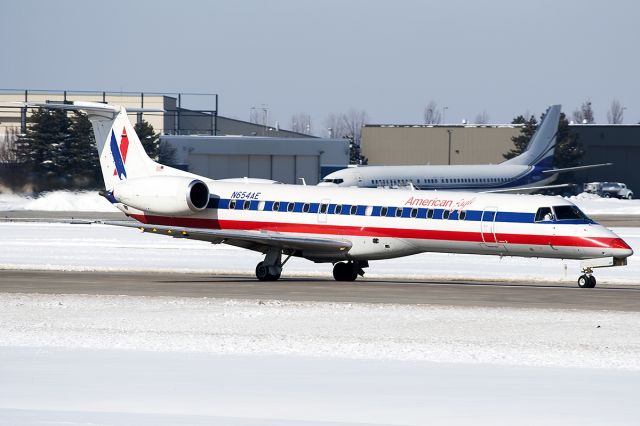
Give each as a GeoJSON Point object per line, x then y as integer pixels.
{"type": "Point", "coordinates": [454, 293]}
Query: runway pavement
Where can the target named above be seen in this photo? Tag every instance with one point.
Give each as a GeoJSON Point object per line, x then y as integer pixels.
{"type": "Point", "coordinates": [454, 293]}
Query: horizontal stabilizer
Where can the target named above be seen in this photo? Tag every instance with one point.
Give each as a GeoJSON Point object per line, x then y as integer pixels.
{"type": "Point", "coordinates": [529, 188]}
{"type": "Point", "coordinates": [571, 169]}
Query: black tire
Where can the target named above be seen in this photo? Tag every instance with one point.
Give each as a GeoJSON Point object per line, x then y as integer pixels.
{"type": "Point", "coordinates": [585, 281]}
{"type": "Point", "coordinates": [262, 272]}
{"type": "Point", "coordinates": [343, 271]}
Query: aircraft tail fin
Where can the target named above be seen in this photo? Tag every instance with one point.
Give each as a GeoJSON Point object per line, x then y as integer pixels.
{"type": "Point", "coordinates": [541, 147]}
{"type": "Point", "coordinates": [122, 155]}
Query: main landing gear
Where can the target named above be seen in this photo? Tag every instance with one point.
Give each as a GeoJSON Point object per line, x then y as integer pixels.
{"type": "Point", "coordinates": [271, 268]}
{"type": "Point", "coordinates": [348, 271]}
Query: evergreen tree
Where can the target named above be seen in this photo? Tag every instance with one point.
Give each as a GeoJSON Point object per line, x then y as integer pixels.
{"type": "Point", "coordinates": [150, 140]}
{"type": "Point", "coordinates": [59, 151]}
{"type": "Point", "coordinates": [41, 148]}
{"type": "Point", "coordinates": [522, 140]}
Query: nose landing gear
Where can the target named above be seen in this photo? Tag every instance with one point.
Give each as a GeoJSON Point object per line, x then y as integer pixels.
{"type": "Point", "coordinates": [587, 280]}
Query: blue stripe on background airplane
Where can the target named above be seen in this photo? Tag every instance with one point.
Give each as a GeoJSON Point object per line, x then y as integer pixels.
{"type": "Point", "coordinates": [532, 170]}
{"type": "Point", "coordinates": [347, 227]}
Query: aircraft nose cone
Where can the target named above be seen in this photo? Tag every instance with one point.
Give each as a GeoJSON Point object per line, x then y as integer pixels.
{"type": "Point", "coordinates": [620, 248]}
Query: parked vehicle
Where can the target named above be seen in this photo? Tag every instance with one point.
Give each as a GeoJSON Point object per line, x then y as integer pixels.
{"type": "Point", "coordinates": [609, 189]}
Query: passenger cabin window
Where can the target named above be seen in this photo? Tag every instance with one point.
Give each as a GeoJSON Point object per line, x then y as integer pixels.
{"type": "Point", "coordinates": [306, 207]}
{"type": "Point", "coordinates": [232, 205]}
{"type": "Point", "coordinates": [368, 210]}
{"type": "Point", "coordinates": [276, 206]}
{"type": "Point", "coordinates": [353, 210]}
{"type": "Point", "coordinates": [291, 207]}
{"type": "Point", "coordinates": [462, 215]}
{"type": "Point", "coordinates": [414, 212]}
{"type": "Point", "coordinates": [246, 205]}
{"type": "Point", "coordinates": [338, 209]}
{"type": "Point", "coordinates": [261, 205]}
{"type": "Point", "coordinates": [398, 211]}
{"type": "Point", "coordinates": [383, 211]}
{"type": "Point", "coordinates": [568, 213]}
{"type": "Point", "coordinates": [445, 214]}
{"type": "Point", "coordinates": [544, 214]}
{"type": "Point", "coordinates": [323, 208]}
{"type": "Point", "coordinates": [430, 214]}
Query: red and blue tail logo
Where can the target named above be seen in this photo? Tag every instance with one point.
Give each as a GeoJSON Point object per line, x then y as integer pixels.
{"type": "Point", "coordinates": [119, 153]}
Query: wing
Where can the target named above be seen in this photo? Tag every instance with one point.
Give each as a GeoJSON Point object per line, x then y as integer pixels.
{"type": "Point", "coordinates": [252, 240]}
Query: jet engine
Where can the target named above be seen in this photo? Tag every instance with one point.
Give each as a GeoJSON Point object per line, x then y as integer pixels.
{"type": "Point", "coordinates": [167, 195]}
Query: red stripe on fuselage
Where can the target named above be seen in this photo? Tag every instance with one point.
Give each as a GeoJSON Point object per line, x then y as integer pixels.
{"type": "Point", "coordinates": [422, 234]}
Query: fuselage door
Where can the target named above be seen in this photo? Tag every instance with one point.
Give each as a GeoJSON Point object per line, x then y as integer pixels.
{"type": "Point", "coordinates": [488, 226]}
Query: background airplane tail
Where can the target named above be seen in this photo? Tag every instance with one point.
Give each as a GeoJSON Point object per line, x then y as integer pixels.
{"type": "Point", "coordinates": [541, 147]}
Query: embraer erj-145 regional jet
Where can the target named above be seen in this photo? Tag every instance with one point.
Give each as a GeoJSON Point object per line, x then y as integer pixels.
{"type": "Point", "coordinates": [347, 227]}
{"type": "Point", "coordinates": [532, 170]}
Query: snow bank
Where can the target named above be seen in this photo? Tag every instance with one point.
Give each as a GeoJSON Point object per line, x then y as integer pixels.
{"type": "Point", "coordinates": [84, 201]}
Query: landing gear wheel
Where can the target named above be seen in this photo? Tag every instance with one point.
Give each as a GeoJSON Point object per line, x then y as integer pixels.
{"type": "Point", "coordinates": [343, 271]}
{"type": "Point", "coordinates": [586, 281]}
{"type": "Point", "coordinates": [263, 274]}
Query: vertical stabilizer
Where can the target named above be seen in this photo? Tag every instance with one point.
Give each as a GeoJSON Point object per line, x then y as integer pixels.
{"type": "Point", "coordinates": [541, 147]}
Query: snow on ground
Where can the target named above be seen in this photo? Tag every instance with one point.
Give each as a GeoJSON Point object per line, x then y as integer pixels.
{"type": "Point", "coordinates": [88, 247]}
{"type": "Point", "coordinates": [535, 337]}
{"type": "Point", "coordinates": [87, 201]}
{"type": "Point", "coordinates": [122, 360]}
{"type": "Point", "coordinates": [82, 201]}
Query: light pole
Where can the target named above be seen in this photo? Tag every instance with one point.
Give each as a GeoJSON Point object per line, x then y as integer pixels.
{"type": "Point", "coordinates": [449, 131]}
{"type": "Point", "coordinates": [444, 110]}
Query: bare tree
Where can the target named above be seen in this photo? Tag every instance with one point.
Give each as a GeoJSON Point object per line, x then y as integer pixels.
{"type": "Point", "coordinates": [354, 120]}
{"type": "Point", "coordinates": [301, 123]}
{"type": "Point", "coordinates": [432, 114]}
{"type": "Point", "coordinates": [615, 115]}
{"type": "Point", "coordinates": [584, 114]}
{"type": "Point", "coordinates": [334, 124]}
{"type": "Point", "coordinates": [482, 118]}
{"type": "Point", "coordinates": [349, 125]}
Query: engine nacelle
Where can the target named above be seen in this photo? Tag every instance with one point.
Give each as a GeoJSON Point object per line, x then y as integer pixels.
{"type": "Point", "coordinates": [168, 195]}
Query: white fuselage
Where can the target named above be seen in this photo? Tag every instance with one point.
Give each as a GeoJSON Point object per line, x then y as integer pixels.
{"type": "Point", "coordinates": [383, 223]}
{"type": "Point", "coordinates": [484, 177]}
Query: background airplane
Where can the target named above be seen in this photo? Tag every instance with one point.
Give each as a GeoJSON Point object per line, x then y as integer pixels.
{"type": "Point", "coordinates": [347, 227]}
{"type": "Point", "coordinates": [532, 170]}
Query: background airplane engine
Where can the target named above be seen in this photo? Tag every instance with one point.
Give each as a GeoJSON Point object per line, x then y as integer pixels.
{"type": "Point", "coordinates": [169, 195]}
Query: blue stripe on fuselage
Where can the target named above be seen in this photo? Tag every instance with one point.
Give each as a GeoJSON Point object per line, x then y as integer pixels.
{"type": "Point", "coordinates": [314, 208]}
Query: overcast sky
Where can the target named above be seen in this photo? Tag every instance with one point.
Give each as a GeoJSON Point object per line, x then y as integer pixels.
{"type": "Point", "coordinates": [389, 58]}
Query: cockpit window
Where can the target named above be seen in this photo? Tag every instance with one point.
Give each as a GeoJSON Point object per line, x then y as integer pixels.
{"type": "Point", "coordinates": [544, 214]}
{"type": "Point", "coordinates": [568, 213]}
{"type": "Point", "coordinates": [336, 181]}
